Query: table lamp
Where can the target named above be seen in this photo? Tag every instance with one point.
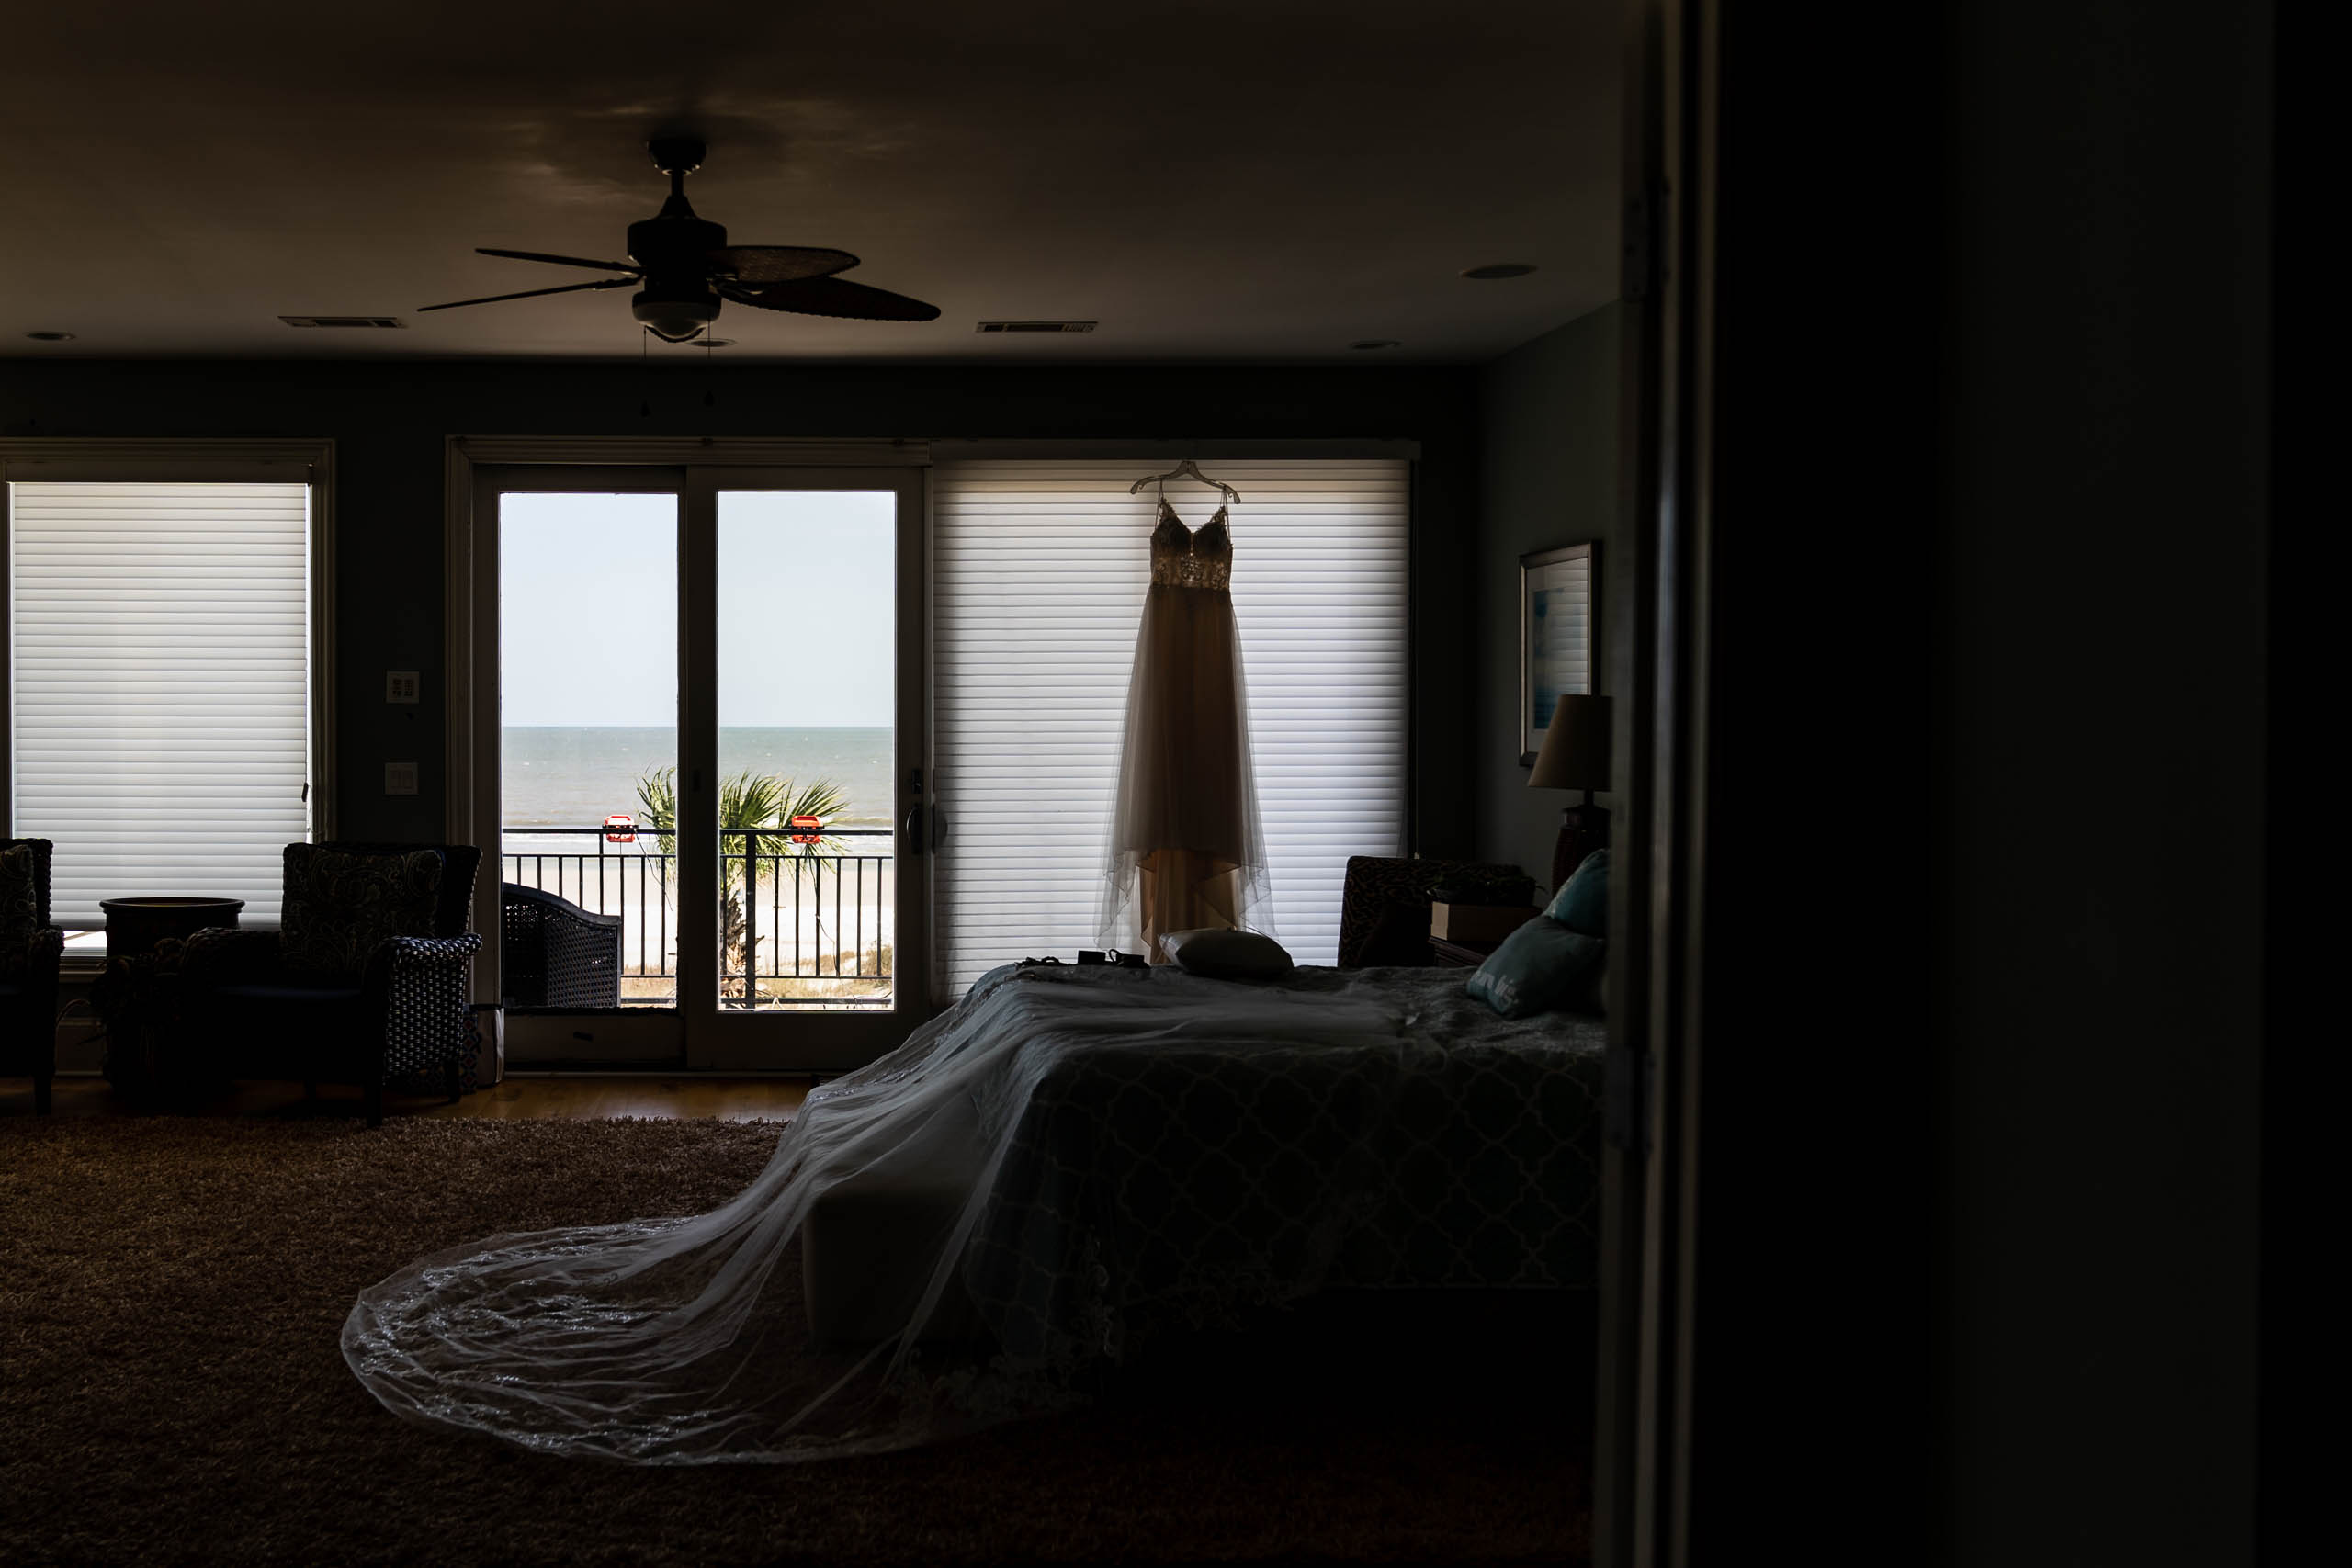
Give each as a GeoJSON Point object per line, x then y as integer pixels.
{"type": "Point", "coordinates": [1576, 756]}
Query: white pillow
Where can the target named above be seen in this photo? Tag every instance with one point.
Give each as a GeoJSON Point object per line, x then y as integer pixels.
{"type": "Point", "coordinates": [1227, 954]}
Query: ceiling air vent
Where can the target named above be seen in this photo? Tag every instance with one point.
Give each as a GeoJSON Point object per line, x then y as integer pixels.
{"type": "Point", "coordinates": [341, 321]}
{"type": "Point", "coordinates": [1036, 326]}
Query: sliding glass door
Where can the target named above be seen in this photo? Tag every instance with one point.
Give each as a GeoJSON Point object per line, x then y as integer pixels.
{"type": "Point", "coordinates": [803, 715]}
{"type": "Point", "coordinates": [707, 730]}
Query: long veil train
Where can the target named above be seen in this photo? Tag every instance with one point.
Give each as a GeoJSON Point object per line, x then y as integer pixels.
{"type": "Point", "coordinates": [685, 1341]}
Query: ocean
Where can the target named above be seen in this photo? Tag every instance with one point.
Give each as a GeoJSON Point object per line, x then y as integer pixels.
{"type": "Point", "coordinates": [575, 777]}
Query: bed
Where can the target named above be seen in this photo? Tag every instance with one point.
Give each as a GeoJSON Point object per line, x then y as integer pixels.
{"type": "Point", "coordinates": [1165, 1149]}
{"type": "Point", "coordinates": [997, 1216]}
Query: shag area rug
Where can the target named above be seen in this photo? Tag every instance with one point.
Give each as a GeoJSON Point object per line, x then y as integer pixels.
{"type": "Point", "coordinates": [172, 1390]}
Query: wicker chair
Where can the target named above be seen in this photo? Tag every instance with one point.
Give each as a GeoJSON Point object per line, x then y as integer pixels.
{"type": "Point", "coordinates": [28, 990]}
{"type": "Point", "coordinates": [1385, 906]}
{"type": "Point", "coordinates": [553, 954]}
{"type": "Point", "coordinates": [406, 1013]}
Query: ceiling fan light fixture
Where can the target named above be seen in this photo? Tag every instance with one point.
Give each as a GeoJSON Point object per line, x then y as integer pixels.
{"type": "Point", "coordinates": [674, 315]}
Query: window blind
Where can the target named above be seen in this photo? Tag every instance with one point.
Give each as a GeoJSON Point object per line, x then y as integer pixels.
{"type": "Point", "coordinates": [1038, 576]}
{"type": "Point", "coordinates": [159, 666]}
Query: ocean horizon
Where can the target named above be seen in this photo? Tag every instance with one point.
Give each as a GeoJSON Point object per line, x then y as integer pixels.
{"type": "Point", "coordinates": [574, 776]}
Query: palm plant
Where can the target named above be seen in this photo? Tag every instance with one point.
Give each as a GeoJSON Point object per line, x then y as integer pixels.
{"type": "Point", "coordinates": [746, 801]}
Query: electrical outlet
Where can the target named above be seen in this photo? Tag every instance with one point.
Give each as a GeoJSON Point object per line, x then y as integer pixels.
{"type": "Point", "coordinates": [399, 778]}
{"type": "Point", "coordinates": [402, 686]}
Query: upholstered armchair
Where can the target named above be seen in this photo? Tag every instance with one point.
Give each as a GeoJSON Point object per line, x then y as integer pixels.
{"type": "Point", "coordinates": [1385, 904]}
{"type": "Point", "coordinates": [367, 981]}
{"type": "Point", "coordinates": [553, 954]}
{"type": "Point", "coordinates": [30, 948]}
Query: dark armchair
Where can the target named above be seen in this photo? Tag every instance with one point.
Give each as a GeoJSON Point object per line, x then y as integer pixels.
{"type": "Point", "coordinates": [337, 996]}
{"type": "Point", "coordinates": [30, 948]}
{"type": "Point", "coordinates": [1385, 904]}
{"type": "Point", "coordinates": [553, 954]}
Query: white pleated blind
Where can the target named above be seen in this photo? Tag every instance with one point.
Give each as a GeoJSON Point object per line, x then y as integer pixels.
{"type": "Point", "coordinates": [159, 660]}
{"type": "Point", "coordinates": [1038, 576]}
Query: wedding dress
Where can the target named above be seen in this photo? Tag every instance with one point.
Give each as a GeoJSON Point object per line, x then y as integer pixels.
{"type": "Point", "coordinates": [1187, 848]}
{"type": "Point", "coordinates": [686, 1340]}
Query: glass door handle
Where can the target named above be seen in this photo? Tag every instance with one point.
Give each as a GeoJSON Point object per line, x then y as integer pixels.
{"type": "Point", "coordinates": [914, 828]}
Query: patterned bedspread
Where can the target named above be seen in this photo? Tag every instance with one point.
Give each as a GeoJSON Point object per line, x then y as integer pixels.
{"type": "Point", "coordinates": [1147, 1181]}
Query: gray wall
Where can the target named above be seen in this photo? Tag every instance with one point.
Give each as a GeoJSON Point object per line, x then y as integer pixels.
{"type": "Point", "coordinates": [1548, 476]}
{"type": "Point", "coordinates": [389, 419]}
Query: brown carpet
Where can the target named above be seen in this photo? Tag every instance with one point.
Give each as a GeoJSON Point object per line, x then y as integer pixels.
{"type": "Point", "coordinates": [171, 1388]}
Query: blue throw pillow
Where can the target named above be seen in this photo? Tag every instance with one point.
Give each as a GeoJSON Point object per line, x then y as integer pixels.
{"type": "Point", "coordinates": [1582, 902]}
{"type": "Point", "coordinates": [1539, 966]}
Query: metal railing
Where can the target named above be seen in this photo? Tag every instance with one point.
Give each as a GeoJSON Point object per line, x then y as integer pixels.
{"type": "Point", "coordinates": [817, 929]}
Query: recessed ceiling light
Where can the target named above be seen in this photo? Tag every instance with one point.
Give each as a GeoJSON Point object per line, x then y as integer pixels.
{"type": "Point", "coordinates": [50, 337]}
{"type": "Point", "coordinates": [1374, 343]}
{"type": "Point", "coordinates": [1501, 269]}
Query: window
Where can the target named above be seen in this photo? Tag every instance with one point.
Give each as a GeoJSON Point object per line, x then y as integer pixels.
{"type": "Point", "coordinates": [160, 655]}
{"type": "Point", "coordinates": [1038, 576]}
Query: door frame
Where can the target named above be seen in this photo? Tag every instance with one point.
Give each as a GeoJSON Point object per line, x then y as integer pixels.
{"type": "Point", "coordinates": [648, 1038]}
{"type": "Point", "coordinates": [1650, 1176]}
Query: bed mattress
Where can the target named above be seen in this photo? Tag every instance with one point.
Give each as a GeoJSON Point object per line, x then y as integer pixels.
{"type": "Point", "coordinates": [1364, 1128]}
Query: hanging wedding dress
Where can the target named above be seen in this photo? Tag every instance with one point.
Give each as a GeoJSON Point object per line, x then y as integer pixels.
{"type": "Point", "coordinates": [1187, 848]}
{"type": "Point", "coordinates": [689, 1341]}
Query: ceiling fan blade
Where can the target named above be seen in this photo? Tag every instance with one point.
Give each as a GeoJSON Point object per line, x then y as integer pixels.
{"type": "Point", "coordinates": [758, 266]}
{"type": "Point", "coordinates": [835, 297]}
{"type": "Point", "coordinates": [529, 293]}
{"type": "Point", "coordinates": [560, 261]}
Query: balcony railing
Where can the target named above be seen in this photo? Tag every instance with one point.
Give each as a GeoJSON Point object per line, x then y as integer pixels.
{"type": "Point", "coordinates": [817, 929]}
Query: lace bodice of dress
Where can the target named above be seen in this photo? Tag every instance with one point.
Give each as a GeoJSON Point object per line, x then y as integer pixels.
{"type": "Point", "coordinates": [1191, 557]}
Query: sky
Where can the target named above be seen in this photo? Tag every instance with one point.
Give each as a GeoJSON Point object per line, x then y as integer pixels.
{"type": "Point", "coordinates": [588, 609]}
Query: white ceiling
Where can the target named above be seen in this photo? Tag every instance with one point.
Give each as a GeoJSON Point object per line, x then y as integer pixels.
{"type": "Point", "coordinates": [1267, 180]}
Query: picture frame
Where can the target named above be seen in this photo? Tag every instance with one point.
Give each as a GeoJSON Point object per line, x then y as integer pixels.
{"type": "Point", "coordinates": [1558, 610]}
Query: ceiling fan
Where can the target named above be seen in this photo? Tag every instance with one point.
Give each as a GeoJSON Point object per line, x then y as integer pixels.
{"type": "Point", "coordinates": [683, 268]}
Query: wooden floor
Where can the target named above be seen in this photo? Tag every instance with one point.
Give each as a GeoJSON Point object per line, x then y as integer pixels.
{"type": "Point", "coordinates": [578, 1098]}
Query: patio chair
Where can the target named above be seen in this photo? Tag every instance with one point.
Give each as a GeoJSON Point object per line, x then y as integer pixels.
{"type": "Point", "coordinates": [368, 982]}
{"type": "Point", "coordinates": [30, 948]}
{"type": "Point", "coordinates": [553, 954]}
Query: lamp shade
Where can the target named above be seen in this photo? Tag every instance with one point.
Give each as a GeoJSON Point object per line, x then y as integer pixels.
{"type": "Point", "coordinates": [1576, 746]}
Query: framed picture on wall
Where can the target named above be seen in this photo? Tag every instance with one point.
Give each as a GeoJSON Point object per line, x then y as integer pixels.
{"type": "Point", "coordinates": [1556, 590]}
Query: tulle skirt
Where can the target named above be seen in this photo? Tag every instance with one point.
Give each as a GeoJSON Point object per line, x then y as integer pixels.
{"type": "Point", "coordinates": [1186, 847]}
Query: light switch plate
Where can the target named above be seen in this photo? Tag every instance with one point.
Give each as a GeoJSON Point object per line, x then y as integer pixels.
{"type": "Point", "coordinates": [402, 686]}
{"type": "Point", "coordinates": [399, 778]}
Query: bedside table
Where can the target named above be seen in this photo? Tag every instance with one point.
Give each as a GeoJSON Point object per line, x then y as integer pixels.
{"type": "Point", "coordinates": [1460, 954]}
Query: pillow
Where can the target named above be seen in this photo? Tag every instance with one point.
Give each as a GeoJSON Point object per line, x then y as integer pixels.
{"type": "Point", "coordinates": [347, 904]}
{"type": "Point", "coordinates": [1539, 966]}
{"type": "Point", "coordinates": [1582, 902]}
{"type": "Point", "coordinates": [1224, 954]}
{"type": "Point", "coordinates": [19, 905]}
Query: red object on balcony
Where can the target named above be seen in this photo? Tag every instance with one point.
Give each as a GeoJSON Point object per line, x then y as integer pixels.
{"type": "Point", "coordinates": [625, 823]}
{"type": "Point", "coordinates": [804, 821]}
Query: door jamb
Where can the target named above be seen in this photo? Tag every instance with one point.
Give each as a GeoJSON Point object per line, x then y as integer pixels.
{"type": "Point", "coordinates": [1641, 1484]}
